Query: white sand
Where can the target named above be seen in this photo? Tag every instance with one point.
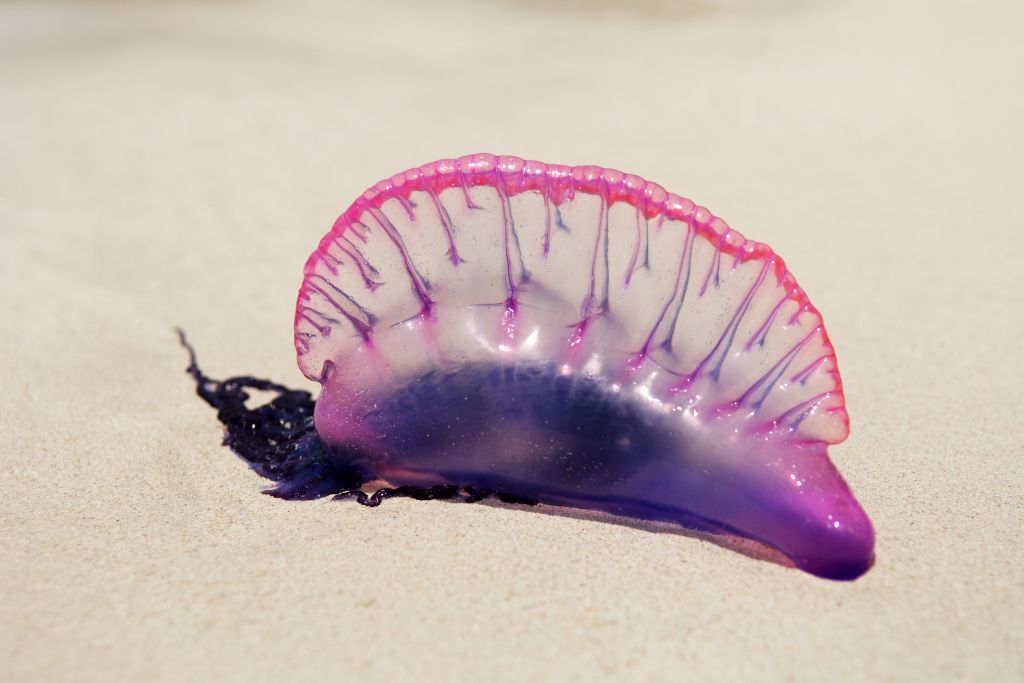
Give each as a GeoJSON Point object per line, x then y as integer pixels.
{"type": "Point", "coordinates": [171, 164]}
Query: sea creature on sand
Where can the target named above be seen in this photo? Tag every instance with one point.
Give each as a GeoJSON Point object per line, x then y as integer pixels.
{"type": "Point", "coordinates": [573, 336]}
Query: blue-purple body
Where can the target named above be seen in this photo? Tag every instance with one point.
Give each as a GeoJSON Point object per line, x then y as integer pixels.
{"type": "Point", "coordinates": [566, 439]}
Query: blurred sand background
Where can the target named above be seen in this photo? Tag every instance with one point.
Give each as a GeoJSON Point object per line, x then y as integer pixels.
{"type": "Point", "coordinates": [173, 163]}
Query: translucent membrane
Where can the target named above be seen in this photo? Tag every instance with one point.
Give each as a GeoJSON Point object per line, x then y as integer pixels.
{"type": "Point", "coordinates": [583, 337]}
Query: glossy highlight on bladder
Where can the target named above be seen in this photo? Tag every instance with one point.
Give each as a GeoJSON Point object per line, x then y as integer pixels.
{"type": "Point", "coordinates": [573, 336]}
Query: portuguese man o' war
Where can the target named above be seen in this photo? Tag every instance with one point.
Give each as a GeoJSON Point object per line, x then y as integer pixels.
{"type": "Point", "coordinates": [573, 336]}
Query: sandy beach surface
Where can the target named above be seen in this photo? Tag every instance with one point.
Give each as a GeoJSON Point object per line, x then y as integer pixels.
{"type": "Point", "coordinates": [166, 164]}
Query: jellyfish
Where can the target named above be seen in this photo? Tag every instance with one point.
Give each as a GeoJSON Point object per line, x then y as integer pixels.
{"type": "Point", "coordinates": [570, 336]}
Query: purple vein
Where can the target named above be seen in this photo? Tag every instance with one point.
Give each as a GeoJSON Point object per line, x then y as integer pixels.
{"type": "Point", "coordinates": [506, 221]}
{"type": "Point", "coordinates": [711, 269]}
{"type": "Point", "coordinates": [470, 204]}
{"type": "Point", "coordinates": [807, 407]}
{"type": "Point", "coordinates": [775, 373]}
{"type": "Point", "coordinates": [546, 194]}
{"type": "Point", "coordinates": [418, 283]}
{"type": "Point", "coordinates": [362, 327]}
{"type": "Point", "coordinates": [370, 317]}
{"type": "Point", "coordinates": [737, 319]}
{"type": "Point", "coordinates": [446, 224]}
{"type": "Point", "coordinates": [688, 256]}
{"type": "Point", "coordinates": [675, 288]}
{"type": "Point", "coordinates": [806, 372]}
{"type": "Point", "coordinates": [631, 268]}
{"type": "Point", "coordinates": [407, 205]}
{"type": "Point", "coordinates": [366, 270]}
{"type": "Point", "coordinates": [588, 303]}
